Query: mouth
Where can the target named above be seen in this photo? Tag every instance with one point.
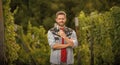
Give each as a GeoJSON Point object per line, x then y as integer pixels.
{"type": "Point", "coordinates": [61, 23]}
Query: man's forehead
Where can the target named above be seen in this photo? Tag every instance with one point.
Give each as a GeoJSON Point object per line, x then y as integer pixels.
{"type": "Point", "coordinates": [61, 16]}
{"type": "Point", "coordinates": [60, 13]}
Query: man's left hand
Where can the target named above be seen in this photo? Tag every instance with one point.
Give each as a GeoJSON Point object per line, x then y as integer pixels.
{"type": "Point", "coordinates": [62, 34]}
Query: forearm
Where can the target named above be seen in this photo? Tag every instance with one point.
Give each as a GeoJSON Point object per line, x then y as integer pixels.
{"type": "Point", "coordinates": [60, 46]}
{"type": "Point", "coordinates": [69, 41]}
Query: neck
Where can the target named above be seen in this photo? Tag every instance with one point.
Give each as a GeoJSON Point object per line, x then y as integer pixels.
{"type": "Point", "coordinates": [61, 26]}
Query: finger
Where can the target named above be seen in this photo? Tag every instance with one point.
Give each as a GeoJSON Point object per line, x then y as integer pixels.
{"type": "Point", "coordinates": [58, 33]}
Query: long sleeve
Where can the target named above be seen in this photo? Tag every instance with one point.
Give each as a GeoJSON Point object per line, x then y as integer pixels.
{"type": "Point", "coordinates": [51, 39]}
{"type": "Point", "coordinates": [74, 37]}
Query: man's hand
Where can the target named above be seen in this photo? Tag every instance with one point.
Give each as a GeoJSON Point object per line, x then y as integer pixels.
{"type": "Point", "coordinates": [69, 41]}
{"type": "Point", "coordinates": [62, 34]}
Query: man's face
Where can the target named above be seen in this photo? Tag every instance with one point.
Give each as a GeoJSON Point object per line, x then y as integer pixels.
{"type": "Point", "coordinates": [61, 19]}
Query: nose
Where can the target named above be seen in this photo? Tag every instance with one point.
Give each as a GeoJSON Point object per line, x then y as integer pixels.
{"type": "Point", "coordinates": [61, 19]}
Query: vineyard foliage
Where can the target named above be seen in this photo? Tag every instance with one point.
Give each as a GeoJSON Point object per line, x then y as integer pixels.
{"type": "Point", "coordinates": [97, 32]}
{"type": "Point", "coordinates": [102, 30]}
{"type": "Point", "coordinates": [10, 41]}
{"type": "Point", "coordinates": [35, 48]}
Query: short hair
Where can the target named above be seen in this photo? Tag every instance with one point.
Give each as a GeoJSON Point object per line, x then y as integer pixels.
{"type": "Point", "coordinates": [60, 12]}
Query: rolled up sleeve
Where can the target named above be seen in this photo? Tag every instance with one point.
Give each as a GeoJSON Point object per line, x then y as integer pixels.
{"type": "Point", "coordinates": [51, 39]}
{"type": "Point", "coordinates": [75, 41]}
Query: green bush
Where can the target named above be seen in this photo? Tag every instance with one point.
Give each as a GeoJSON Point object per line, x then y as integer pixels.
{"type": "Point", "coordinates": [11, 46]}
{"type": "Point", "coordinates": [101, 30]}
{"type": "Point", "coordinates": [115, 33]}
{"type": "Point", "coordinates": [35, 48]}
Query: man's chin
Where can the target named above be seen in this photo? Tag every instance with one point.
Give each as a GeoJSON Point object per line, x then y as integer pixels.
{"type": "Point", "coordinates": [61, 24]}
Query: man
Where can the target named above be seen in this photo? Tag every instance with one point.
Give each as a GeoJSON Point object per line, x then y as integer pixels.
{"type": "Point", "coordinates": [62, 40]}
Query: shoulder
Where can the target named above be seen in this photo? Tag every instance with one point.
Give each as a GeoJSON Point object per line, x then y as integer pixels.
{"type": "Point", "coordinates": [68, 29]}
{"type": "Point", "coordinates": [50, 30]}
{"type": "Point", "coordinates": [53, 31]}
{"type": "Point", "coordinates": [71, 31]}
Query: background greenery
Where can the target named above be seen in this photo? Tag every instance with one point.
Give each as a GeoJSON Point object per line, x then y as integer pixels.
{"type": "Point", "coordinates": [27, 23]}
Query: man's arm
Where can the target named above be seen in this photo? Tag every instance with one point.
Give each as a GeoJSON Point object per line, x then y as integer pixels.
{"type": "Point", "coordinates": [71, 42]}
{"type": "Point", "coordinates": [55, 45]}
{"type": "Point", "coordinates": [60, 46]}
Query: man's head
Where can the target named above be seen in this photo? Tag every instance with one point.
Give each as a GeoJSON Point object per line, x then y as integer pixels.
{"type": "Point", "coordinates": [61, 18]}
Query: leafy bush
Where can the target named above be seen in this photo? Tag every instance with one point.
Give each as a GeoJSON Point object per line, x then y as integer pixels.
{"type": "Point", "coordinates": [100, 30]}
{"type": "Point", "coordinates": [11, 46]}
{"type": "Point", "coordinates": [35, 48]}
